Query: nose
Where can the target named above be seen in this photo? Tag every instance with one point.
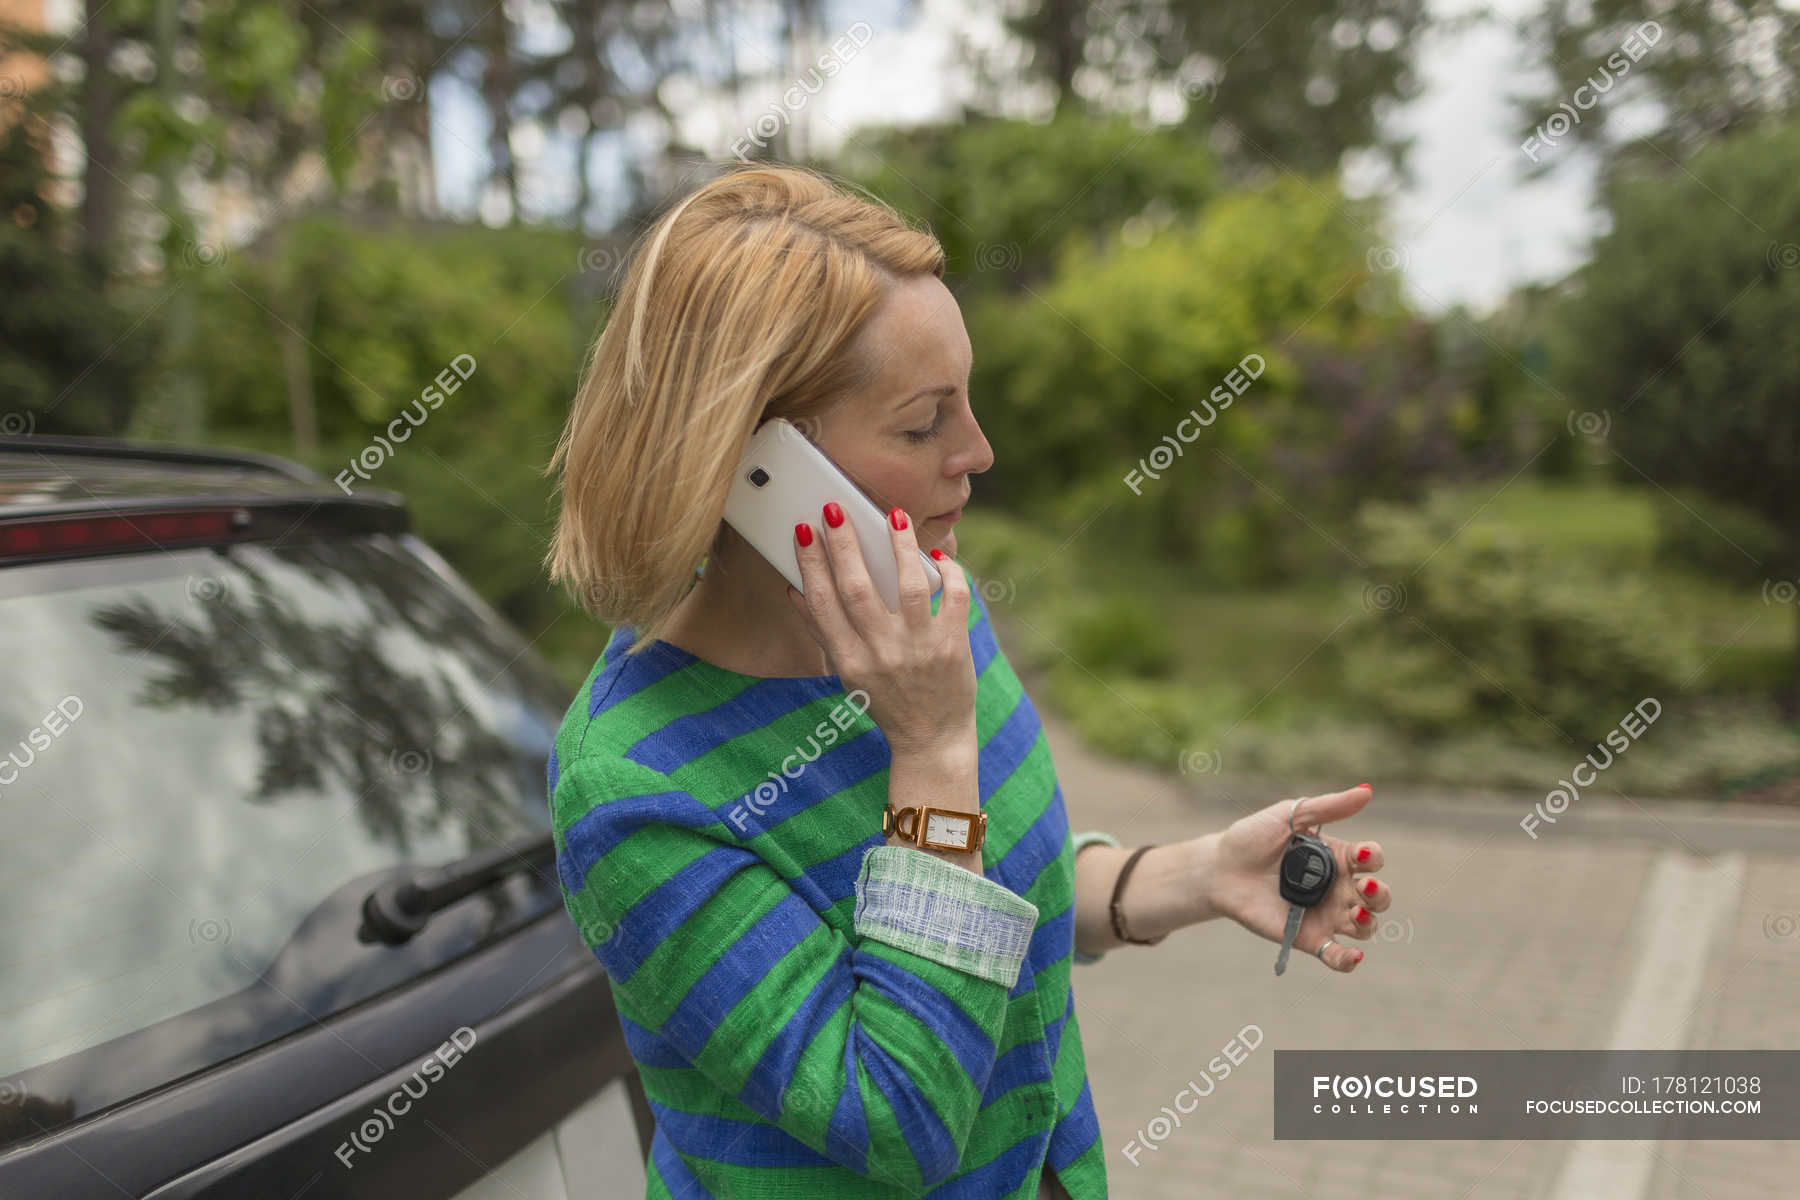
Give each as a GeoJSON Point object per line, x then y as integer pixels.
{"type": "Point", "coordinates": [973, 455]}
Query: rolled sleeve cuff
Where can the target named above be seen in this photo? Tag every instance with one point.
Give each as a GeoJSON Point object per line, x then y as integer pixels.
{"type": "Point", "coordinates": [937, 910]}
{"type": "Point", "coordinates": [1085, 839]}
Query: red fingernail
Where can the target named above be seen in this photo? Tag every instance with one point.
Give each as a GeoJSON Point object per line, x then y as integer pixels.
{"type": "Point", "coordinates": [803, 533]}
{"type": "Point", "coordinates": [937, 554]}
{"type": "Point", "coordinates": [1359, 956]}
{"type": "Point", "coordinates": [898, 518]}
{"type": "Point", "coordinates": [1369, 888]}
{"type": "Point", "coordinates": [834, 516]}
{"type": "Point", "coordinates": [1362, 855]}
{"type": "Point", "coordinates": [1362, 915]}
{"type": "Point", "coordinates": [1370, 786]}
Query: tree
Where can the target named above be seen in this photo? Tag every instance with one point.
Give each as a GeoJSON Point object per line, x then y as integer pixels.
{"type": "Point", "coordinates": [1700, 69]}
{"type": "Point", "coordinates": [1002, 195]}
{"type": "Point", "coordinates": [66, 362]}
{"type": "Point", "coordinates": [1683, 332]}
{"type": "Point", "coordinates": [1291, 86]}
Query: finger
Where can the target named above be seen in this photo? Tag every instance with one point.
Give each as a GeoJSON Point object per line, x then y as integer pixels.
{"type": "Point", "coordinates": [1364, 856]}
{"type": "Point", "coordinates": [915, 588]}
{"type": "Point", "coordinates": [855, 590]}
{"type": "Point", "coordinates": [1373, 894]}
{"type": "Point", "coordinates": [1314, 811]}
{"type": "Point", "coordinates": [818, 600]}
{"type": "Point", "coordinates": [953, 606]}
{"type": "Point", "coordinates": [1338, 956]}
{"type": "Point", "coordinates": [1358, 922]}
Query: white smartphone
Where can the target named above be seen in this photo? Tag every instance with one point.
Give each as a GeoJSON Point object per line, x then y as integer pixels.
{"type": "Point", "coordinates": [783, 480]}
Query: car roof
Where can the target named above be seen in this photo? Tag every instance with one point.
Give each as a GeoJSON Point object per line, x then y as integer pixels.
{"type": "Point", "coordinates": [41, 475]}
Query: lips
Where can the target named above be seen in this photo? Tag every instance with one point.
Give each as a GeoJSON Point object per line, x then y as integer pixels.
{"type": "Point", "coordinates": [952, 516]}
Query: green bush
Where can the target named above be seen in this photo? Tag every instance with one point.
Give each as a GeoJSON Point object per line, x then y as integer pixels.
{"type": "Point", "coordinates": [1118, 635]}
{"type": "Point", "coordinates": [1716, 538]}
{"type": "Point", "coordinates": [370, 315]}
{"type": "Point", "coordinates": [1473, 627]}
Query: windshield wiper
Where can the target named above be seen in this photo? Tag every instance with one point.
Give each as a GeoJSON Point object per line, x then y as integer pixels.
{"type": "Point", "coordinates": [393, 912]}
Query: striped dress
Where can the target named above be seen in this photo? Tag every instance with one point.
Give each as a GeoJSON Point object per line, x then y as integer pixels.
{"type": "Point", "coordinates": [815, 1013]}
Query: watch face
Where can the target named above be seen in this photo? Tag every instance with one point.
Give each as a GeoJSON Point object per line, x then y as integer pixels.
{"type": "Point", "coordinates": [947, 829]}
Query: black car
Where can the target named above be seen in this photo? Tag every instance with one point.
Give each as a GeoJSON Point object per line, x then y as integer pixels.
{"type": "Point", "coordinates": [281, 914]}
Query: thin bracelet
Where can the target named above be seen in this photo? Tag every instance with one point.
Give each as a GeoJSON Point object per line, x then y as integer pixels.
{"type": "Point", "coordinates": [1118, 914]}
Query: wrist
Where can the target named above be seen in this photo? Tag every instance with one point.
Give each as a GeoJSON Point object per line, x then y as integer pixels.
{"type": "Point", "coordinates": [946, 775]}
{"type": "Point", "coordinates": [1201, 874]}
{"type": "Point", "coordinates": [1168, 888]}
{"type": "Point", "coordinates": [955, 754]}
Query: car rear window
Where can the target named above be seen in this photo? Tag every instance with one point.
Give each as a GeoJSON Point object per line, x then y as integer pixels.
{"type": "Point", "coordinates": [197, 750]}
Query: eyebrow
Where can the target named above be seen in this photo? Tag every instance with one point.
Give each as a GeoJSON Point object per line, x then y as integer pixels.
{"type": "Point", "coordinates": [942, 389]}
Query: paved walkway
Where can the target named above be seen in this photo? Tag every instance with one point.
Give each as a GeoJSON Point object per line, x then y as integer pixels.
{"type": "Point", "coordinates": [1495, 941]}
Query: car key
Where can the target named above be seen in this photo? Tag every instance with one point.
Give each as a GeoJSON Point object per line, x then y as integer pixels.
{"type": "Point", "coordinates": [1308, 869]}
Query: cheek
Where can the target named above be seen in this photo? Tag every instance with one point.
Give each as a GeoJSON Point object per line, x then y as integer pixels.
{"type": "Point", "coordinates": [909, 489]}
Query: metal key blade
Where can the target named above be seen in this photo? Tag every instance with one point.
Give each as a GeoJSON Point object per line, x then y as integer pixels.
{"type": "Point", "coordinates": [1295, 915]}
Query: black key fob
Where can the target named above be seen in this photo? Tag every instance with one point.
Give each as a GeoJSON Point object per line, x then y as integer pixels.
{"type": "Point", "coordinates": [1308, 869]}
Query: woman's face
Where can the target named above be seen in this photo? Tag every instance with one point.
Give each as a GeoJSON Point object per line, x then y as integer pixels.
{"type": "Point", "coordinates": [910, 438]}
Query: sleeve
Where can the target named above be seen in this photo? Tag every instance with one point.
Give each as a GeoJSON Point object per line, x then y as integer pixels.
{"type": "Point", "coordinates": [1088, 838]}
{"type": "Point", "coordinates": [873, 1050]}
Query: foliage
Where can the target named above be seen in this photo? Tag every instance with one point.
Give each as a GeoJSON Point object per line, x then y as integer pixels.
{"type": "Point", "coordinates": [1715, 538]}
{"type": "Point", "coordinates": [380, 310]}
{"type": "Point", "coordinates": [72, 359]}
{"type": "Point", "coordinates": [1268, 316]}
{"type": "Point", "coordinates": [1475, 626]}
{"type": "Point", "coordinates": [1002, 195]}
{"type": "Point", "coordinates": [1686, 325]}
{"type": "Point", "coordinates": [1291, 86]}
{"type": "Point", "coordinates": [1121, 634]}
{"type": "Point", "coordinates": [1703, 70]}
{"type": "Point", "coordinates": [376, 314]}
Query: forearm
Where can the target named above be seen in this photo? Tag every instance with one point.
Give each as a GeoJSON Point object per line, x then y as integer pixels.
{"type": "Point", "coordinates": [946, 776]}
{"type": "Point", "coordinates": [1167, 890]}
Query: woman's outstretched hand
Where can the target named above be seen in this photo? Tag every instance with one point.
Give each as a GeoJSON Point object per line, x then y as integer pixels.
{"type": "Point", "coordinates": [1246, 889]}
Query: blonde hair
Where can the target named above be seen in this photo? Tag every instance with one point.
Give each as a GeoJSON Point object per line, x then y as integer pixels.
{"type": "Point", "coordinates": [739, 304]}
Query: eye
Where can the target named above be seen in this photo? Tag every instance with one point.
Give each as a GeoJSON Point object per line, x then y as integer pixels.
{"type": "Point", "coordinates": [919, 436]}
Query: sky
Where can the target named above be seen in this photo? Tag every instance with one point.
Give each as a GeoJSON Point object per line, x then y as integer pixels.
{"type": "Point", "coordinates": [1467, 229]}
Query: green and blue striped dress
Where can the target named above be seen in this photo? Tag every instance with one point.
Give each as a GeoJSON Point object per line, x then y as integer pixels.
{"type": "Point", "coordinates": [815, 1013]}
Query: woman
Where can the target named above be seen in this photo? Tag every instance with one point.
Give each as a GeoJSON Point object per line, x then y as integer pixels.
{"type": "Point", "coordinates": [818, 1008]}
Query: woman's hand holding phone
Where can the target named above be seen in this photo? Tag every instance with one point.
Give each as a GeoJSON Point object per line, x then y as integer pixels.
{"type": "Point", "coordinates": [916, 668]}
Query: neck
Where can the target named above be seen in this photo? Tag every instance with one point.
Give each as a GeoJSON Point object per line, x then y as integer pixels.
{"type": "Point", "coordinates": [738, 617]}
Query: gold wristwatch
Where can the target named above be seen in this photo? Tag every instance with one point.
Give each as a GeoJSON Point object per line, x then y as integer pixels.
{"type": "Point", "coordinates": [936, 828]}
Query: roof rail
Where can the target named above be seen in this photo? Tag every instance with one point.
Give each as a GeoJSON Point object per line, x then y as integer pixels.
{"type": "Point", "coordinates": [117, 448]}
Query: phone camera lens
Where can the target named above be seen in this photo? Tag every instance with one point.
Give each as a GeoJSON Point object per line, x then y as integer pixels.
{"type": "Point", "coordinates": [758, 477]}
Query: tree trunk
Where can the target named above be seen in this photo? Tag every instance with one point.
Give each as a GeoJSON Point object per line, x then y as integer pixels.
{"type": "Point", "coordinates": [1064, 27]}
{"type": "Point", "coordinates": [99, 176]}
{"type": "Point", "coordinates": [1791, 707]}
{"type": "Point", "coordinates": [497, 90]}
{"type": "Point", "coordinates": [296, 367]}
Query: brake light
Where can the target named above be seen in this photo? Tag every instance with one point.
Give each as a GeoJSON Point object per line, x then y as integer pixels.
{"type": "Point", "coordinates": [161, 529]}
